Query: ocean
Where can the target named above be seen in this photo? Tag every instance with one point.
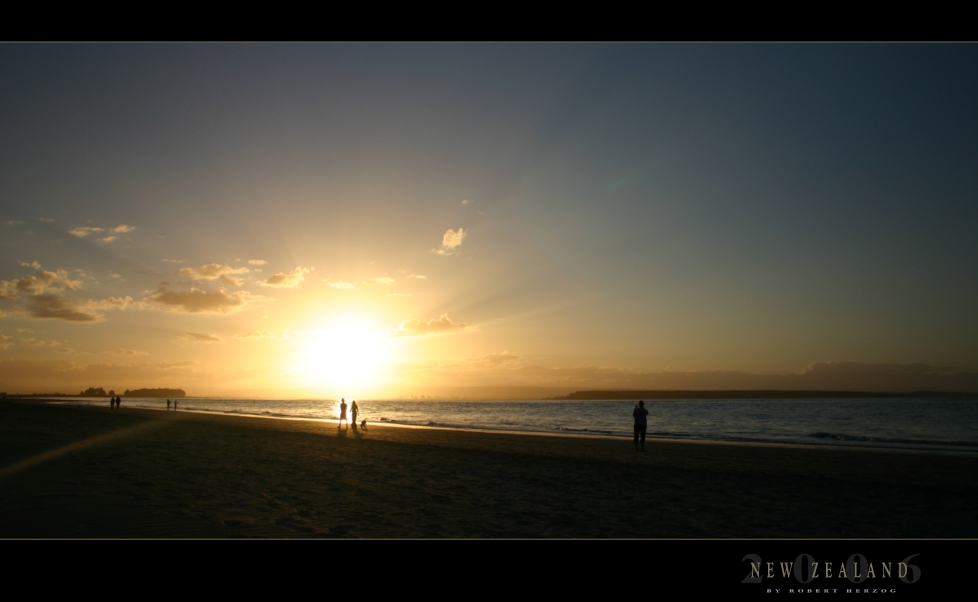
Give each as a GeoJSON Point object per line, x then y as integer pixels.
{"type": "Point", "coordinates": [908, 423]}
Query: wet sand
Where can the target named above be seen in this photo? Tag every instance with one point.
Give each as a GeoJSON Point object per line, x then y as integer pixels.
{"type": "Point", "coordinates": [93, 472]}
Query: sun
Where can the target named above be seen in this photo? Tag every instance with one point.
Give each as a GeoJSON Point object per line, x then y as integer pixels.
{"type": "Point", "coordinates": [345, 355]}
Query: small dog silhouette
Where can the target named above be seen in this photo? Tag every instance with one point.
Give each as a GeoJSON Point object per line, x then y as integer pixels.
{"type": "Point", "coordinates": [363, 424]}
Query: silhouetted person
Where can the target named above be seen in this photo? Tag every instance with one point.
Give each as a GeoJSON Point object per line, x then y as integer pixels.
{"type": "Point", "coordinates": [342, 412]}
{"type": "Point", "coordinates": [354, 410]}
{"type": "Point", "coordinates": [118, 402]}
{"type": "Point", "coordinates": [175, 402]}
{"type": "Point", "coordinates": [641, 423]}
{"type": "Point", "coordinates": [167, 405]}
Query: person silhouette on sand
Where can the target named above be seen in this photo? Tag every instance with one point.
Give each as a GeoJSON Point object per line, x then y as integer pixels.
{"type": "Point", "coordinates": [175, 405]}
{"type": "Point", "coordinates": [118, 402]}
{"type": "Point", "coordinates": [354, 410]}
{"type": "Point", "coordinates": [641, 423]}
{"type": "Point", "coordinates": [167, 405]}
{"type": "Point", "coordinates": [342, 412]}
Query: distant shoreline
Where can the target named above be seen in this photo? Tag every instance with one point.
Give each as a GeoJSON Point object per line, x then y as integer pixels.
{"type": "Point", "coordinates": [749, 394]}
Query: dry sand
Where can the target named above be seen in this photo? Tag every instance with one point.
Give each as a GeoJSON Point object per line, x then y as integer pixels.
{"type": "Point", "coordinates": [93, 472]}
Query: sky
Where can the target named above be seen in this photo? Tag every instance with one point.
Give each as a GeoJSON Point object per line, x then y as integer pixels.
{"type": "Point", "coordinates": [393, 220]}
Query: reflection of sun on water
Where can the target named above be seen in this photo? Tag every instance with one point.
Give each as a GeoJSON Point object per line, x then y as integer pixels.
{"type": "Point", "coordinates": [347, 355]}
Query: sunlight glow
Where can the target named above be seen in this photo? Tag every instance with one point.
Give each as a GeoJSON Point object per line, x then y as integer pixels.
{"type": "Point", "coordinates": [345, 355]}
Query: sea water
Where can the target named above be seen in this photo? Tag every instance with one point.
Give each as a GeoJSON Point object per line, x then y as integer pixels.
{"type": "Point", "coordinates": [910, 423]}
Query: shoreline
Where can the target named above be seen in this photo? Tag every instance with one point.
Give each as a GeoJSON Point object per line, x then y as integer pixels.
{"type": "Point", "coordinates": [855, 446]}
{"type": "Point", "coordinates": [86, 471]}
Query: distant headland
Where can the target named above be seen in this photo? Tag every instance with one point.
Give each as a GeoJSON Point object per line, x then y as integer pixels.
{"type": "Point", "coordinates": [101, 392]}
{"type": "Point", "coordinates": [155, 393]}
{"type": "Point", "coordinates": [760, 394]}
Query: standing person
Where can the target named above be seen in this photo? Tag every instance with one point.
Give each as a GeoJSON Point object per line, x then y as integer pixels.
{"type": "Point", "coordinates": [641, 423]}
{"type": "Point", "coordinates": [118, 402]}
{"type": "Point", "coordinates": [167, 405]}
{"type": "Point", "coordinates": [342, 412]}
{"type": "Point", "coordinates": [354, 410]}
{"type": "Point", "coordinates": [175, 405]}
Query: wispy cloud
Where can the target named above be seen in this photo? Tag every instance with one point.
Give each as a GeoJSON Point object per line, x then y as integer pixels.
{"type": "Point", "coordinates": [45, 219]}
{"type": "Point", "coordinates": [83, 231]}
{"type": "Point", "coordinates": [451, 241]}
{"type": "Point", "coordinates": [497, 359]}
{"type": "Point", "coordinates": [258, 334]}
{"type": "Point", "coordinates": [257, 262]}
{"type": "Point", "coordinates": [120, 303]}
{"type": "Point", "coordinates": [382, 280]}
{"type": "Point", "coordinates": [211, 271]}
{"type": "Point", "coordinates": [292, 279]}
{"type": "Point", "coordinates": [443, 325]}
{"type": "Point", "coordinates": [125, 352]}
{"type": "Point", "coordinates": [202, 337]}
{"type": "Point", "coordinates": [198, 301]}
{"type": "Point", "coordinates": [340, 284]}
{"type": "Point", "coordinates": [39, 342]}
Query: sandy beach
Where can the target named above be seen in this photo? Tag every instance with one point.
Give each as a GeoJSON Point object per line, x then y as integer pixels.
{"type": "Point", "coordinates": [93, 472]}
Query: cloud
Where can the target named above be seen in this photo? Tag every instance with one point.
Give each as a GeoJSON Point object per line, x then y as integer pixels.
{"type": "Point", "coordinates": [197, 301]}
{"type": "Point", "coordinates": [53, 306]}
{"type": "Point", "coordinates": [14, 222]}
{"type": "Point", "coordinates": [120, 303]}
{"type": "Point", "coordinates": [382, 280]}
{"type": "Point", "coordinates": [202, 337]}
{"type": "Point", "coordinates": [418, 276]}
{"type": "Point", "coordinates": [291, 280]}
{"type": "Point", "coordinates": [40, 282]}
{"type": "Point", "coordinates": [451, 241]}
{"type": "Point", "coordinates": [8, 290]}
{"type": "Point", "coordinates": [443, 325]}
{"type": "Point", "coordinates": [257, 262]}
{"type": "Point", "coordinates": [39, 342]}
{"type": "Point", "coordinates": [231, 280]}
{"type": "Point", "coordinates": [125, 352]}
{"type": "Point", "coordinates": [258, 334]}
{"type": "Point", "coordinates": [45, 219]}
{"type": "Point", "coordinates": [497, 359]}
{"type": "Point", "coordinates": [83, 231]}
{"type": "Point", "coordinates": [32, 264]}
{"type": "Point", "coordinates": [172, 261]}
{"type": "Point", "coordinates": [466, 201]}
{"type": "Point", "coordinates": [211, 271]}
{"type": "Point", "coordinates": [340, 284]}
{"type": "Point", "coordinates": [398, 295]}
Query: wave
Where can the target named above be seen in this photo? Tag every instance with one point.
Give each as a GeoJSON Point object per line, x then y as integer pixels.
{"type": "Point", "coordinates": [890, 440]}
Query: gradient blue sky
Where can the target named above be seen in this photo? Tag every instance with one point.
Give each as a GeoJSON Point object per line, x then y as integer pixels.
{"type": "Point", "coordinates": [631, 208]}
